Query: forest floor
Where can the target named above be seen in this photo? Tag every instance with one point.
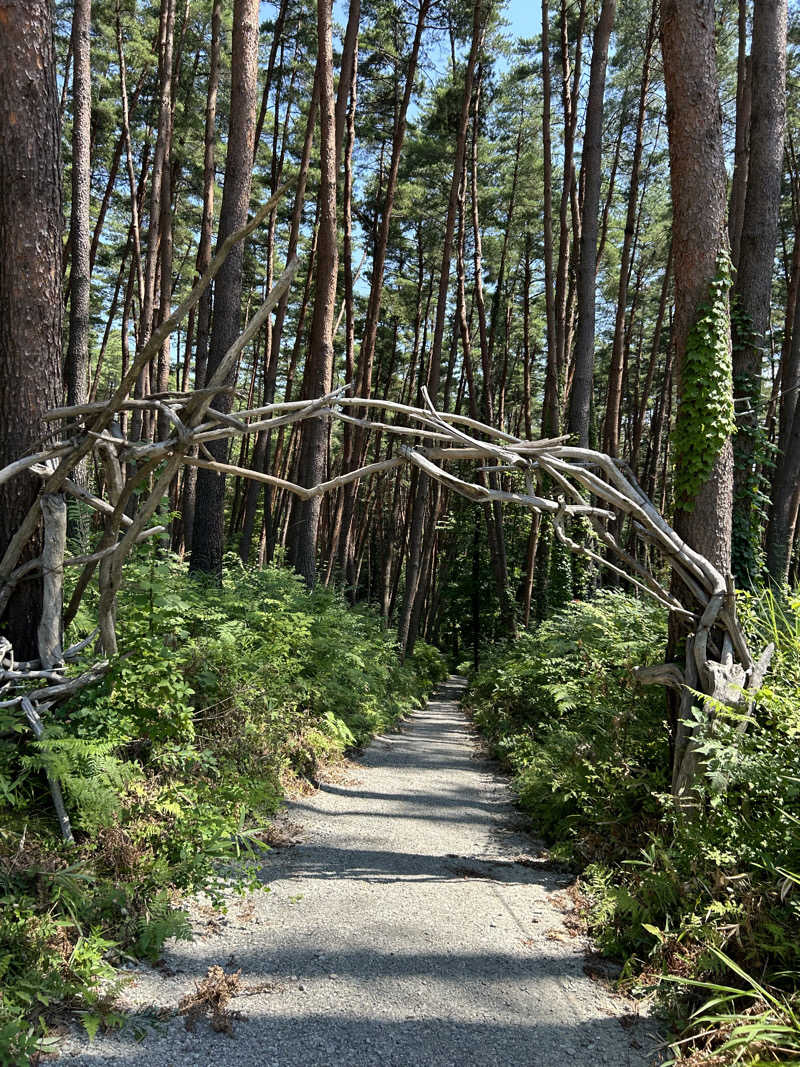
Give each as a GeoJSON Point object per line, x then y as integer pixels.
{"type": "Point", "coordinates": [410, 921]}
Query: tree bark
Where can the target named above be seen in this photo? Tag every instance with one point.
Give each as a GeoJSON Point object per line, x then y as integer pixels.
{"type": "Point", "coordinates": [614, 400]}
{"type": "Point", "coordinates": [786, 477]}
{"type": "Point", "coordinates": [550, 405]}
{"type": "Point", "coordinates": [77, 363]}
{"type": "Point", "coordinates": [697, 171]}
{"type": "Point", "coordinates": [591, 164]}
{"type": "Point", "coordinates": [366, 356]}
{"type": "Point", "coordinates": [781, 529]}
{"type": "Point", "coordinates": [755, 264]}
{"type": "Point", "coordinates": [319, 363]}
{"type": "Point", "coordinates": [346, 74]}
{"type": "Point", "coordinates": [638, 424]}
{"type": "Point", "coordinates": [189, 496]}
{"type": "Point", "coordinates": [741, 146]}
{"type": "Point", "coordinates": [406, 633]}
{"type": "Point", "coordinates": [209, 529]}
{"type": "Point", "coordinates": [30, 275]}
{"type": "Point", "coordinates": [570, 108]}
{"type": "Point", "coordinates": [165, 209]}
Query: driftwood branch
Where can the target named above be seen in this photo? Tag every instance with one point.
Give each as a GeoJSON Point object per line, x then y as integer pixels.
{"type": "Point", "coordinates": [54, 509]}
{"type": "Point", "coordinates": [33, 717]}
{"type": "Point", "coordinates": [549, 477]}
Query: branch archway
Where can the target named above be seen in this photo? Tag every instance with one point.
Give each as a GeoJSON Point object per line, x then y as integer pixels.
{"type": "Point", "coordinates": [547, 476]}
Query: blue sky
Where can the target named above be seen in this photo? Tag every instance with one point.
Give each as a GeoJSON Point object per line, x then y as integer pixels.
{"type": "Point", "coordinates": [525, 17]}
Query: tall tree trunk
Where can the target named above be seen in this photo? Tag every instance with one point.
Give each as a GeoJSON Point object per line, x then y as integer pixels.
{"type": "Point", "coordinates": [135, 192]}
{"type": "Point", "coordinates": [742, 143]}
{"type": "Point", "coordinates": [697, 171]}
{"type": "Point", "coordinates": [30, 276]}
{"type": "Point", "coordinates": [319, 363]}
{"type": "Point", "coordinates": [570, 82]}
{"type": "Point", "coordinates": [111, 181]}
{"type": "Point", "coordinates": [550, 406]}
{"type": "Point", "coordinates": [406, 632]}
{"type": "Point", "coordinates": [494, 515]}
{"type": "Point", "coordinates": [591, 165]}
{"type": "Point", "coordinates": [700, 239]}
{"type": "Point", "coordinates": [274, 331]}
{"type": "Point", "coordinates": [347, 74]}
{"type": "Point", "coordinates": [638, 424]}
{"type": "Point", "coordinates": [165, 210]}
{"type": "Point", "coordinates": [786, 477]}
{"type": "Point", "coordinates": [357, 441]}
{"type": "Point", "coordinates": [204, 258]}
{"type": "Point", "coordinates": [77, 364]}
{"type": "Point", "coordinates": [209, 529]}
{"type": "Point", "coordinates": [277, 42]}
{"type": "Point", "coordinates": [755, 265]}
{"type": "Point", "coordinates": [349, 311]}
{"type": "Point", "coordinates": [783, 520]}
{"type": "Point", "coordinates": [611, 425]}
{"type": "Point", "coordinates": [280, 314]}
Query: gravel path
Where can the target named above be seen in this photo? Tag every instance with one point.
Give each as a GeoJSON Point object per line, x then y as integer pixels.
{"type": "Point", "coordinates": [411, 925]}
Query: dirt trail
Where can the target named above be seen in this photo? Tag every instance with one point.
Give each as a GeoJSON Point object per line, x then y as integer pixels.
{"type": "Point", "coordinates": [402, 930]}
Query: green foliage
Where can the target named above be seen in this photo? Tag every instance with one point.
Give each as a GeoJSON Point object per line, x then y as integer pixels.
{"type": "Point", "coordinates": [692, 899]}
{"type": "Point", "coordinates": [754, 1024]}
{"type": "Point", "coordinates": [559, 590]}
{"type": "Point", "coordinates": [541, 573]}
{"type": "Point", "coordinates": [171, 767]}
{"type": "Point", "coordinates": [560, 707]}
{"type": "Point", "coordinates": [754, 457]}
{"type": "Point", "coordinates": [705, 417]}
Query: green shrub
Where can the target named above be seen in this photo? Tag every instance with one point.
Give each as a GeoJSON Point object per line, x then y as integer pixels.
{"type": "Point", "coordinates": [672, 897]}
{"type": "Point", "coordinates": [585, 743]}
{"type": "Point", "coordinates": [171, 767]}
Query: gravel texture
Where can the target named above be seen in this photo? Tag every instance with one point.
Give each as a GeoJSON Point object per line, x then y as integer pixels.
{"type": "Point", "coordinates": [412, 924]}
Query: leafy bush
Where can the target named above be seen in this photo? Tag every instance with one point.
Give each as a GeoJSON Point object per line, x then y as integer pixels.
{"type": "Point", "coordinates": [560, 707]}
{"type": "Point", "coordinates": [689, 899]}
{"type": "Point", "coordinates": [171, 767]}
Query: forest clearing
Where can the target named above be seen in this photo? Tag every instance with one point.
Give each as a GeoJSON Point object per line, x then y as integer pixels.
{"type": "Point", "coordinates": [346, 345]}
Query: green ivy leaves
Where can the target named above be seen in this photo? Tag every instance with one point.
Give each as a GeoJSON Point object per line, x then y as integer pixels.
{"type": "Point", "coordinates": [705, 416]}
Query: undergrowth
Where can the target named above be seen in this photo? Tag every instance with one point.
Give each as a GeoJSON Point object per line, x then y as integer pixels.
{"type": "Point", "coordinates": [171, 768]}
{"type": "Point", "coordinates": [708, 909]}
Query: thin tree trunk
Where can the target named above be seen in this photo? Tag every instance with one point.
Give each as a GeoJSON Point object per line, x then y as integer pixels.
{"type": "Point", "coordinates": [347, 74]}
{"type": "Point", "coordinates": [165, 212]}
{"type": "Point", "coordinates": [550, 412]}
{"type": "Point", "coordinates": [319, 363]}
{"type": "Point", "coordinates": [406, 634]}
{"type": "Point", "coordinates": [203, 259]}
{"type": "Point", "coordinates": [77, 363]}
{"type": "Point", "coordinates": [591, 164]}
{"type": "Point", "coordinates": [741, 153]}
{"type": "Point", "coordinates": [135, 194]}
{"type": "Point", "coordinates": [347, 252]}
{"type": "Point", "coordinates": [786, 477]}
{"type": "Point", "coordinates": [277, 41]}
{"type": "Point", "coordinates": [112, 175]}
{"type": "Point", "coordinates": [353, 455]}
{"type": "Point", "coordinates": [209, 530]}
{"type": "Point", "coordinates": [570, 109]}
{"type": "Point", "coordinates": [612, 417]}
{"type": "Point", "coordinates": [755, 264]}
{"type": "Point", "coordinates": [638, 426]}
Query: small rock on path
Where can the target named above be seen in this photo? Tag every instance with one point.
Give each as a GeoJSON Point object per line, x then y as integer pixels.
{"type": "Point", "coordinates": [402, 930]}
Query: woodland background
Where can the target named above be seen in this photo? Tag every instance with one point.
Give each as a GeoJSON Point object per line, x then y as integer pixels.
{"type": "Point", "coordinates": [592, 232]}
